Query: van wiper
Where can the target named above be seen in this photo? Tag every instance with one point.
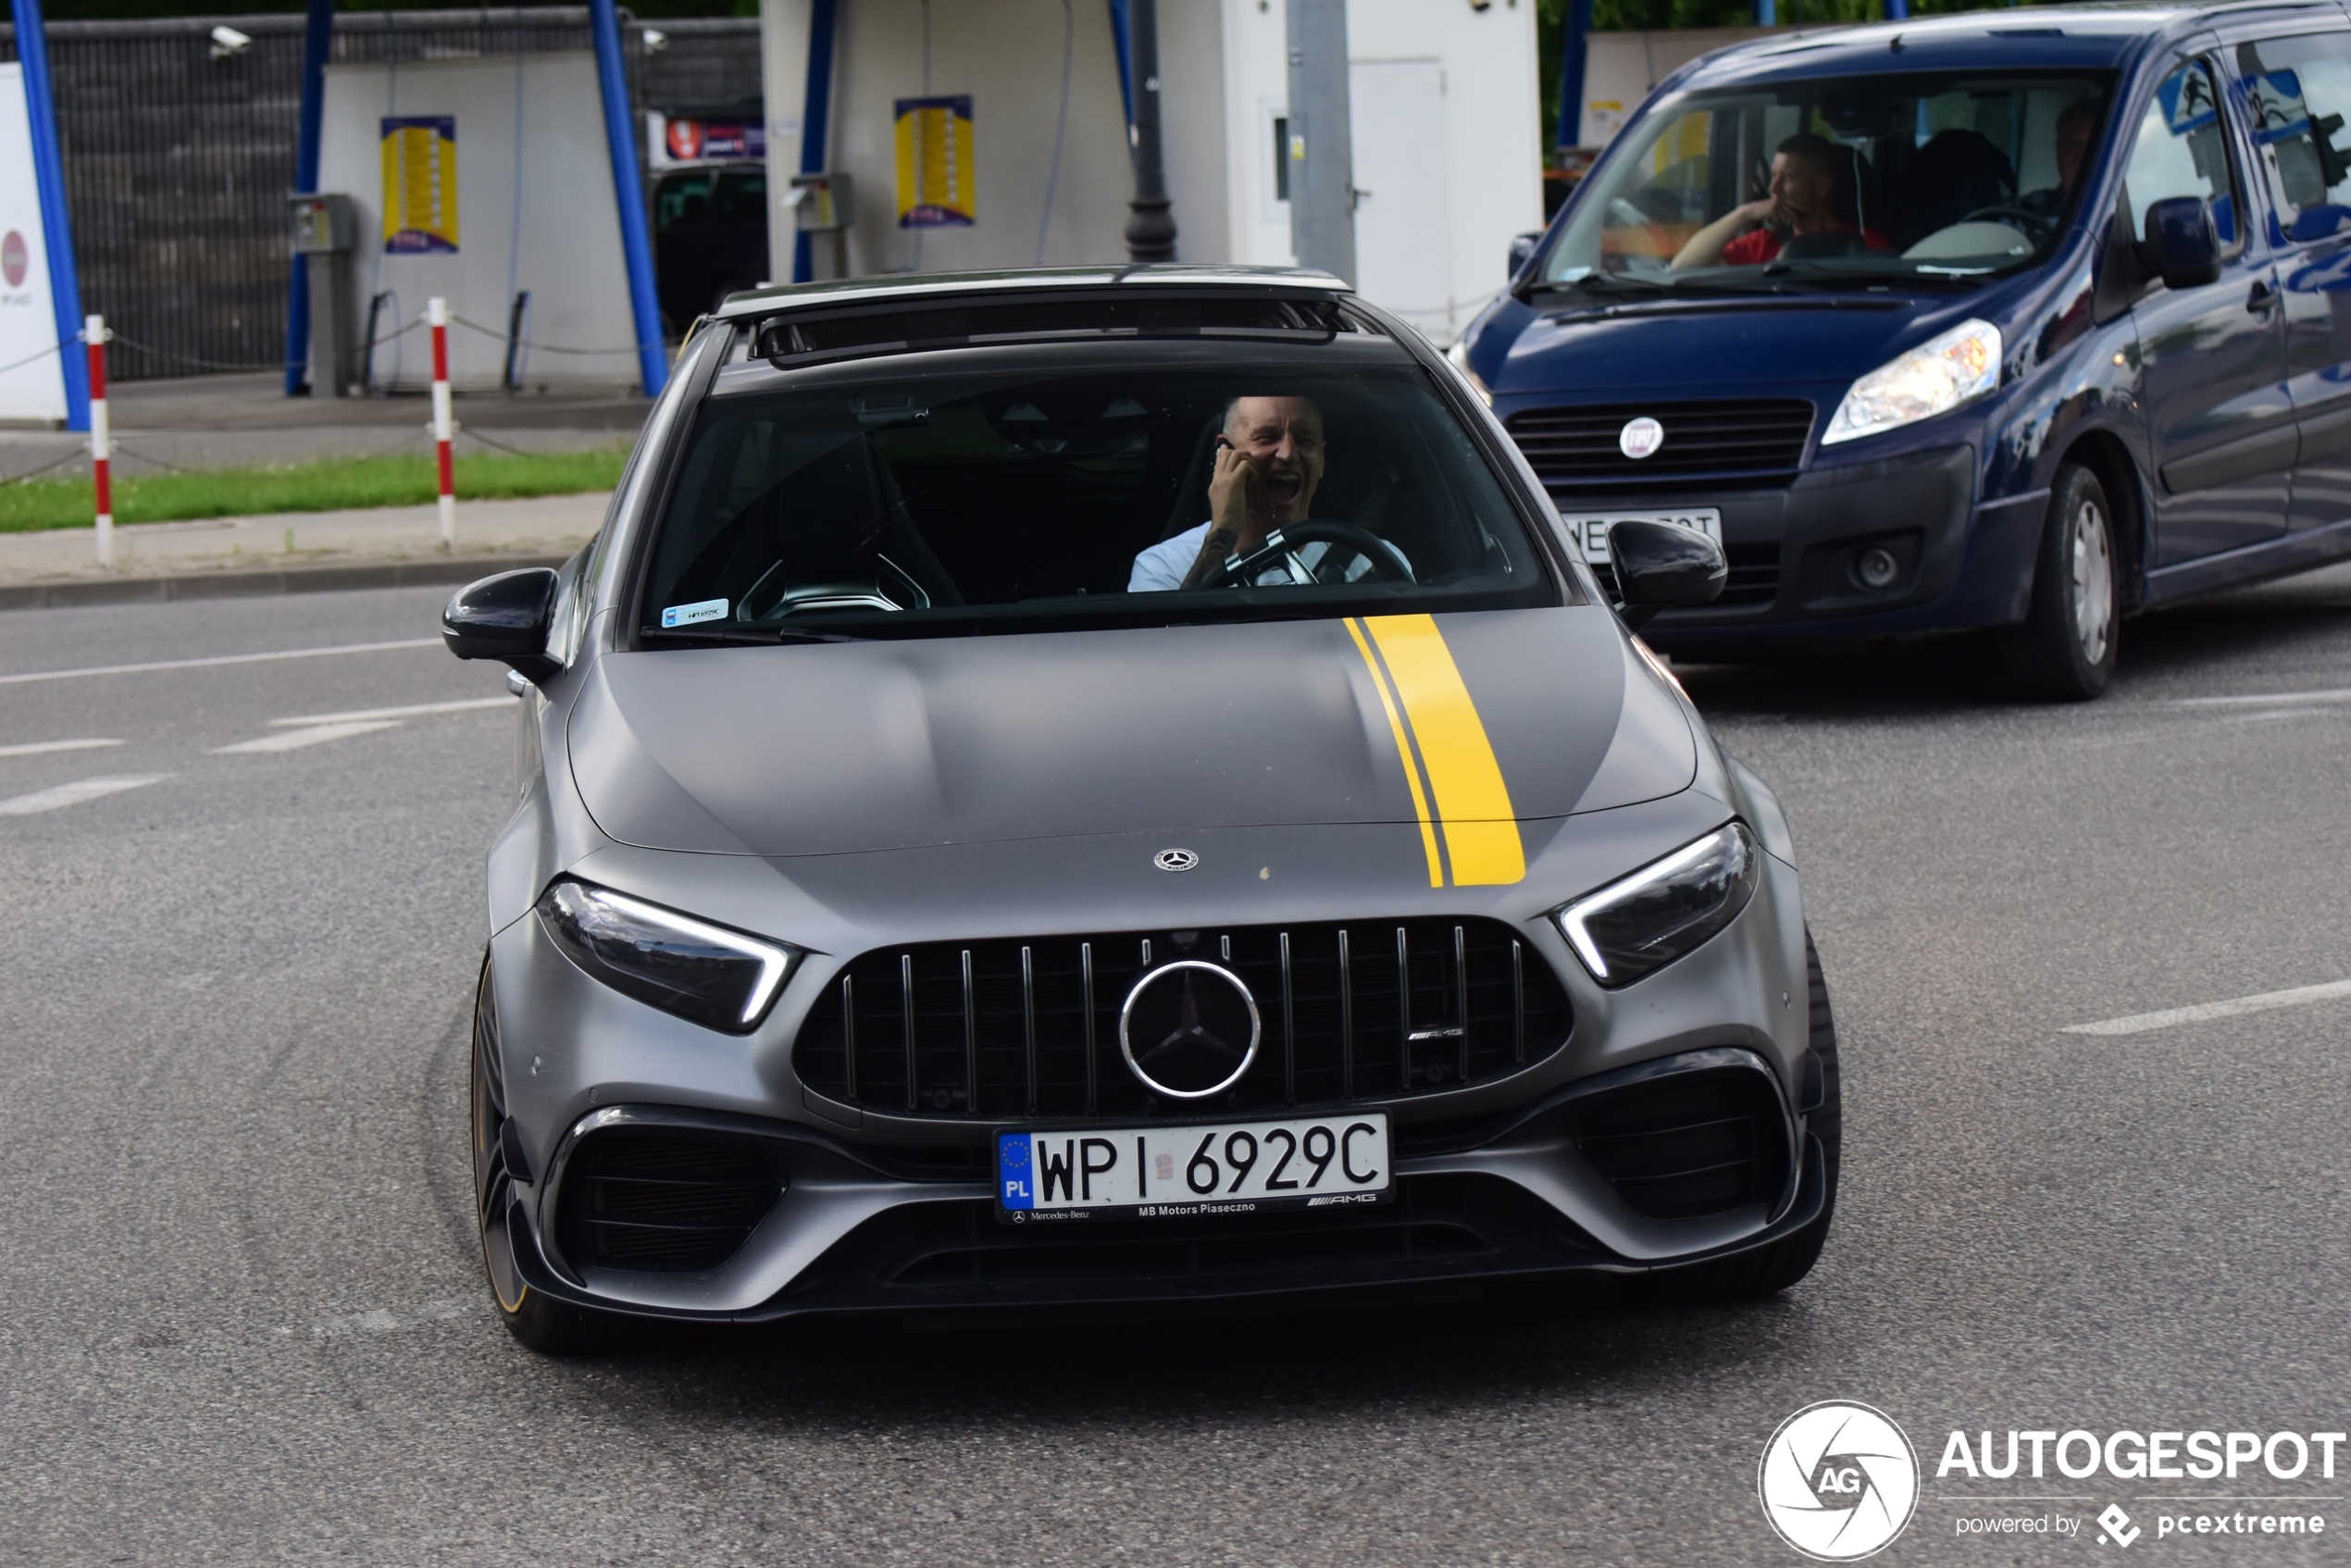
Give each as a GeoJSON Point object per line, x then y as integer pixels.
{"type": "Point", "coordinates": [1821, 276]}
{"type": "Point", "coordinates": [1602, 283]}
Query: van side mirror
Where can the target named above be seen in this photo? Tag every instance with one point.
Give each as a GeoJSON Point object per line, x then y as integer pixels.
{"type": "Point", "coordinates": [1523, 251]}
{"type": "Point", "coordinates": [504, 617]}
{"type": "Point", "coordinates": [1661, 565]}
{"type": "Point", "coordinates": [2182, 246]}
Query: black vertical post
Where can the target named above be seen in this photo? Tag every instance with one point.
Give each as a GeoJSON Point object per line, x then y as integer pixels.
{"type": "Point", "coordinates": [1150, 227]}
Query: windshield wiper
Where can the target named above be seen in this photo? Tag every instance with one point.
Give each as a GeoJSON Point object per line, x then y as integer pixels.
{"type": "Point", "coordinates": [1819, 274]}
{"type": "Point", "coordinates": [766, 636]}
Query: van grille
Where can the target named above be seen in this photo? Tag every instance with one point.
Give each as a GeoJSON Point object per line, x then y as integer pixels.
{"type": "Point", "coordinates": [1010, 1029]}
{"type": "Point", "coordinates": [1746, 440]}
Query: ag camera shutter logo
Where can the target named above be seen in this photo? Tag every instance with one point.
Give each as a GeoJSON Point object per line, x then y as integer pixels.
{"type": "Point", "coordinates": [1840, 1481]}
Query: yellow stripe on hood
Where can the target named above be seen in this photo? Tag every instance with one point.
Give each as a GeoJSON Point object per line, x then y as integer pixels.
{"type": "Point", "coordinates": [1473, 802]}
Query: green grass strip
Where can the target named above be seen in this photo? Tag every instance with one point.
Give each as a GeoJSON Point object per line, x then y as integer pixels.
{"type": "Point", "coordinates": [328, 485]}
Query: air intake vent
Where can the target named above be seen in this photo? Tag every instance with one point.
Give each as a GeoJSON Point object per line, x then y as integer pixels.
{"type": "Point", "coordinates": [1745, 442]}
{"type": "Point", "coordinates": [1018, 1029]}
{"type": "Point", "coordinates": [1688, 1144]}
{"type": "Point", "coordinates": [663, 1200]}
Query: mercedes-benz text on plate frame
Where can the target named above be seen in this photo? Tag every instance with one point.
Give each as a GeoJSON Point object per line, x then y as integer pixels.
{"type": "Point", "coordinates": [1590, 528]}
{"type": "Point", "coordinates": [1173, 1170]}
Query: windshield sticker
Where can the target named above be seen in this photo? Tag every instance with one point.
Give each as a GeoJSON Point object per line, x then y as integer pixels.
{"type": "Point", "coordinates": [687, 614]}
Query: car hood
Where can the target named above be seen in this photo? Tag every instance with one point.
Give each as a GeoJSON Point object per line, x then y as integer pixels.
{"type": "Point", "coordinates": [832, 749]}
{"type": "Point", "coordinates": [1702, 348]}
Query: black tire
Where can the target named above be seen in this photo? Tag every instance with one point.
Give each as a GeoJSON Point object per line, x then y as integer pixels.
{"type": "Point", "coordinates": [549, 1326]}
{"type": "Point", "coordinates": [1773, 1268]}
{"type": "Point", "coordinates": [2064, 651]}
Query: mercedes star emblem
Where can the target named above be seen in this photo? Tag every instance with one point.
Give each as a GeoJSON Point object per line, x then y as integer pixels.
{"type": "Point", "coordinates": [1640, 437]}
{"type": "Point", "coordinates": [1188, 1029]}
{"type": "Point", "coordinates": [1175, 860]}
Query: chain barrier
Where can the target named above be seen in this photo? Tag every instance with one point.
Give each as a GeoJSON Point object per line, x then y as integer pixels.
{"type": "Point", "coordinates": [536, 348]}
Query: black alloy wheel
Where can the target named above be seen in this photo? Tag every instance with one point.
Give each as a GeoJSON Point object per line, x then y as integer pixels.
{"type": "Point", "coordinates": [549, 1326]}
{"type": "Point", "coordinates": [2064, 652]}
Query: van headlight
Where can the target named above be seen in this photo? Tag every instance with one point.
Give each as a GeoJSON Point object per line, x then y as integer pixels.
{"type": "Point", "coordinates": [705, 974]}
{"type": "Point", "coordinates": [1639, 925]}
{"type": "Point", "coordinates": [1934, 378]}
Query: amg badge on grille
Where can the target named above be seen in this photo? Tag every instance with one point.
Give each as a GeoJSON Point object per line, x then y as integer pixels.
{"type": "Point", "coordinates": [1175, 860]}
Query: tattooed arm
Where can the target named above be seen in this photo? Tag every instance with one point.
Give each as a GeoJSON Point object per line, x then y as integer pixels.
{"type": "Point", "coordinates": [1237, 513]}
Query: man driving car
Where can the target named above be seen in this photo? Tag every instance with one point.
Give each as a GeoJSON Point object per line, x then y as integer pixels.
{"type": "Point", "coordinates": [1802, 202]}
{"type": "Point", "coordinates": [1269, 461]}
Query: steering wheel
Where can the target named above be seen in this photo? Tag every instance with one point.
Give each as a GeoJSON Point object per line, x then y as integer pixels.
{"type": "Point", "coordinates": [1282, 545]}
{"type": "Point", "coordinates": [2036, 225]}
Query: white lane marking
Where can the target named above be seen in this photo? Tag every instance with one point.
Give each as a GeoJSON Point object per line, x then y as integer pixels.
{"type": "Point", "coordinates": [36, 748]}
{"type": "Point", "coordinates": [2139, 1023]}
{"type": "Point", "coordinates": [73, 794]}
{"type": "Point", "coordinates": [294, 740]}
{"type": "Point", "coordinates": [361, 714]}
{"type": "Point", "coordinates": [221, 659]}
{"type": "Point", "coordinates": [2338, 694]}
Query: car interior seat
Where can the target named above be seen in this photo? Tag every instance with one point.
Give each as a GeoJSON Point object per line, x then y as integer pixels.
{"type": "Point", "coordinates": [1956, 172]}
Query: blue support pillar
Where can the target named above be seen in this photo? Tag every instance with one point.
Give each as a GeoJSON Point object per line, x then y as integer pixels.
{"type": "Point", "coordinates": [317, 43]}
{"type": "Point", "coordinates": [1579, 22]}
{"type": "Point", "coordinates": [56, 226]}
{"type": "Point", "coordinates": [1766, 15]}
{"type": "Point", "coordinates": [1895, 10]}
{"type": "Point", "coordinates": [1126, 57]}
{"type": "Point", "coordinates": [636, 249]}
{"type": "Point", "coordinates": [816, 115]}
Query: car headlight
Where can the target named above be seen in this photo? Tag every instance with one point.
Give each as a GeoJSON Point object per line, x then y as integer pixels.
{"type": "Point", "coordinates": [1934, 378]}
{"type": "Point", "coordinates": [1638, 926]}
{"type": "Point", "coordinates": [1458, 357]}
{"type": "Point", "coordinates": [706, 974]}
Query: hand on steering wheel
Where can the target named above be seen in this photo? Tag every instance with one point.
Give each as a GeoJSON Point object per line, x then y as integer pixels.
{"type": "Point", "coordinates": [1387, 563]}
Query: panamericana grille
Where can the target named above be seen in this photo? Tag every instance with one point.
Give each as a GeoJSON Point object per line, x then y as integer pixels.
{"type": "Point", "coordinates": [1022, 1029]}
{"type": "Point", "coordinates": [1755, 439]}
{"type": "Point", "coordinates": [1689, 1144]}
{"type": "Point", "coordinates": [663, 1200]}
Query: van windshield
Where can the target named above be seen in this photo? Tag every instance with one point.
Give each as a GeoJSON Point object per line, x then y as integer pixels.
{"type": "Point", "coordinates": [1850, 180]}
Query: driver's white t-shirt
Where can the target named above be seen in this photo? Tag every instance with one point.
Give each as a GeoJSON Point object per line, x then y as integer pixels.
{"type": "Point", "coordinates": [1163, 566]}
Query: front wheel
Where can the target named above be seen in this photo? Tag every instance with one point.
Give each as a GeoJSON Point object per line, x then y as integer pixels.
{"type": "Point", "coordinates": [2064, 651]}
{"type": "Point", "coordinates": [548, 1326]}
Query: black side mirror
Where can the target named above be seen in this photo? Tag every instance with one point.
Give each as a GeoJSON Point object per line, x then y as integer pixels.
{"type": "Point", "coordinates": [1661, 564]}
{"type": "Point", "coordinates": [504, 617]}
{"type": "Point", "coordinates": [2182, 247]}
{"type": "Point", "coordinates": [1522, 250]}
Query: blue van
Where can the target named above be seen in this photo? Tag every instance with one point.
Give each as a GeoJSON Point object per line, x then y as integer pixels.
{"type": "Point", "coordinates": [2017, 320]}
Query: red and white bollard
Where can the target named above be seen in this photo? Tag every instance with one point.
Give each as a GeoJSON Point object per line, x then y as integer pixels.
{"type": "Point", "coordinates": [94, 333]}
{"type": "Point", "coordinates": [443, 427]}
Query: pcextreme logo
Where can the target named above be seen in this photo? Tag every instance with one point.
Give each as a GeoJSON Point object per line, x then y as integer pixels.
{"type": "Point", "coordinates": [1840, 1481]}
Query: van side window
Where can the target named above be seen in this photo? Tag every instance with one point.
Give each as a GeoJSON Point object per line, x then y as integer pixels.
{"type": "Point", "coordinates": [2182, 149]}
{"type": "Point", "coordinates": [2297, 92]}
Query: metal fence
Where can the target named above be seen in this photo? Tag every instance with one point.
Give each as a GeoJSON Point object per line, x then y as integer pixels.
{"type": "Point", "coordinates": [179, 157]}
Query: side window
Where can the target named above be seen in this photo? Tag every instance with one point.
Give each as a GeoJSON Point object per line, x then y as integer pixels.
{"type": "Point", "coordinates": [2297, 92]}
{"type": "Point", "coordinates": [2182, 149]}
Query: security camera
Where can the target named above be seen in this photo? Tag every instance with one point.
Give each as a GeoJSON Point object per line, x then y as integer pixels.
{"type": "Point", "coordinates": [227, 40]}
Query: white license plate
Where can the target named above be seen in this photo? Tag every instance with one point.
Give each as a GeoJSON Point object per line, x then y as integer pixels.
{"type": "Point", "coordinates": [1590, 528]}
{"type": "Point", "coordinates": [1175, 1170]}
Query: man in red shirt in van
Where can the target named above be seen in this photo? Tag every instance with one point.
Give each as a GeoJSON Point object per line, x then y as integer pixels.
{"type": "Point", "coordinates": [1802, 202]}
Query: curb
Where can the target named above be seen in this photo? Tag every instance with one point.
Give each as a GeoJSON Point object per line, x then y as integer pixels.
{"type": "Point", "coordinates": [282, 580]}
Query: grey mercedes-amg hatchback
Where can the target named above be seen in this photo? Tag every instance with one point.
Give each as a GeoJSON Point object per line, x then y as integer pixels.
{"type": "Point", "coordinates": [1113, 789]}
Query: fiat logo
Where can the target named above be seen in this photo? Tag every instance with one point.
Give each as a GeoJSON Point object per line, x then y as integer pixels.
{"type": "Point", "coordinates": [1640, 437]}
{"type": "Point", "coordinates": [1175, 860]}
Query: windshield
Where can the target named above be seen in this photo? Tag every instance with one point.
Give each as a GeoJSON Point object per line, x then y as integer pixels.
{"type": "Point", "coordinates": [928, 506]}
{"type": "Point", "coordinates": [1847, 180]}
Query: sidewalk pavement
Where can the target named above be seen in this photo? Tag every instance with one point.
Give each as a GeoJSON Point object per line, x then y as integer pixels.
{"type": "Point", "coordinates": [292, 552]}
{"type": "Point", "coordinates": [247, 420]}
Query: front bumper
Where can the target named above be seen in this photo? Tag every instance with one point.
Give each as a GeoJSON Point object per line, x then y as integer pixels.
{"type": "Point", "coordinates": [1794, 551]}
{"type": "Point", "coordinates": [894, 1213]}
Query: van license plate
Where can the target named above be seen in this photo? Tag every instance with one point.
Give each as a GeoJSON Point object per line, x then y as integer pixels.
{"type": "Point", "coordinates": [1177, 1170]}
{"type": "Point", "coordinates": [1590, 528]}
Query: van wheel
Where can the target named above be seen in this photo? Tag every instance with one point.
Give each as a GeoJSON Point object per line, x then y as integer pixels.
{"type": "Point", "coordinates": [2064, 652]}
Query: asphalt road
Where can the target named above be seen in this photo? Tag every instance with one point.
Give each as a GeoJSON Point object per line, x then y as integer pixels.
{"type": "Point", "coordinates": [241, 1316]}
